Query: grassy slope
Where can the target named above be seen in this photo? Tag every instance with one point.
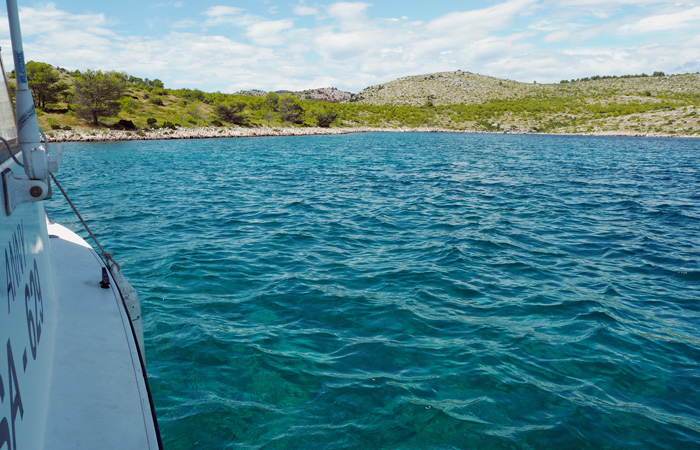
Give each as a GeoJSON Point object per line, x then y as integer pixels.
{"type": "Point", "coordinates": [663, 105]}
{"type": "Point", "coordinates": [137, 107]}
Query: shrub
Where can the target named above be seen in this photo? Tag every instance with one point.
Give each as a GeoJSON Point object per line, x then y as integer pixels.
{"type": "Point", "coordinates": [231, 113]}
{"type": "Point", "coordinates": [124, 124]}
{"type": "Point", "coordinates": [325, 119]}
{"type": "Point", "coordinates": [128, 104]}
{"type": "Point", "coordinates": [195, 111]}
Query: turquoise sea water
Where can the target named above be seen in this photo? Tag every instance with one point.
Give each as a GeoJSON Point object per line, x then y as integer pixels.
{"type": "Point", "coordinates": [409, 291]}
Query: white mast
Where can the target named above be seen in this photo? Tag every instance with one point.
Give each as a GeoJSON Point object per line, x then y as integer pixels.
{"type": "Point", "coordinates": [28, 133]}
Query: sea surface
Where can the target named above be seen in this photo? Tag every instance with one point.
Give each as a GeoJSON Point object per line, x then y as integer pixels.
{"type": "Point", "coordinates": [406, 290]}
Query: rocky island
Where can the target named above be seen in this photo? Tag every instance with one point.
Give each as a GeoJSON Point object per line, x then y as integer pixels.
{"type": "Point", "coordinates": [459, 101]}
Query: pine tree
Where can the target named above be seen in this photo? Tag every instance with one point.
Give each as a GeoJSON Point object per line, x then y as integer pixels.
{"type": "Point", "coordinates": [45, 83]}
{"type": "Point", "coordinates": [97, 94]}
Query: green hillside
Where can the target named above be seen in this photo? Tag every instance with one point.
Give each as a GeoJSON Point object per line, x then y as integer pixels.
{"type": "Point", "coordinates": [658, 105]}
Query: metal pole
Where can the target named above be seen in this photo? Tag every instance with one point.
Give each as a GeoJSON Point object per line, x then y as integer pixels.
{"type": "Point", "coordinates": [28, 134]}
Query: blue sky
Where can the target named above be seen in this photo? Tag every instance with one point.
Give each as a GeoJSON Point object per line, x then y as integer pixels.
{"type": "Point", "coordinates": [219, 45]}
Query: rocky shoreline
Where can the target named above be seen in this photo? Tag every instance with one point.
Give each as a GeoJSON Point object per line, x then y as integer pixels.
{"type": "Point", "coordinates": [104, 135]}
{"type": "Point", "coordinates": [88, 135]}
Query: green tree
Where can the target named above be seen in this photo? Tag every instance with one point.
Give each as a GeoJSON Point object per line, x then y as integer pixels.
{"type": "Point", "coordinates": [45, 83]}
{"type": "Point", "coordinates": [231, 113]}
{"type": "Point", "coordinates": [290, 109]}
{"type": "Point", "coordinates": [272, 101]}
{"type": "Point", "coordinates": [97, 94]}
{"type": "Point", "coordinates": [157, 84]}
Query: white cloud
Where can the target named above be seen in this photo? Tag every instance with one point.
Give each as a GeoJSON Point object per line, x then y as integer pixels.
{"type": "Point", "coordinates": [178, 4]}
{"type": "Point", "coordinates": [544, 26]}
{"type": "Point", "coordinates": [349, 15]}
{"type": "Point", "coordinates": [301, 10]}
{"type": "Point", "coordinates": [575, 34]}
{"type": "Point", "coordinates": [348, 10]}
{"type": "Point", "coordinates": [664, 22]}
{"type": "Point", "coordinates": [225, 16]}
{"type": "Point", "coordinates": [608, 4]}
{"type": "Point", "coordinates": [480, 21]}
{"type": "Point", "coordinates": [269, 33]}
{"type": "Point", "coordinates": [186, 23]}
{"type": "Point", "coordinates": [48, 19]}
{"type": "Point", "coordinates": [343, 45]}
{"type": "Point", "coordinates": [222, 11]}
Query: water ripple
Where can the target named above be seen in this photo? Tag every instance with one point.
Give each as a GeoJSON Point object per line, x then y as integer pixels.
{"type": "Point", "coordinates": [400, 291]}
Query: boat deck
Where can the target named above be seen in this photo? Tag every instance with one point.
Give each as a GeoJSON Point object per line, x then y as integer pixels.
{"type": "Point", "coordinates": [98, 393]}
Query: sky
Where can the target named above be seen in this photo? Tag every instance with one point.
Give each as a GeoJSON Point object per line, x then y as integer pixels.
{"type": "Point", "coordinates": [227, 46]}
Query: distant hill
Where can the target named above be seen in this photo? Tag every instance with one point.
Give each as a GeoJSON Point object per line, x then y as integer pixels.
{"type": "Point", "coordinates": [329, 95]}
{"type": "Point", "coordinates": [442, 88]}
{"type": "Point", "coordinates": [447, 88]}
{"type": "Point", "coordinates": [649, 105]}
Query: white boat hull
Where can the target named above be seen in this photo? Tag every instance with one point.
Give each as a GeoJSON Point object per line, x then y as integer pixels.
{"type": "Point", "coordinates": [71, 374]}
{"type": "Point", "coordinates": [27, 326]}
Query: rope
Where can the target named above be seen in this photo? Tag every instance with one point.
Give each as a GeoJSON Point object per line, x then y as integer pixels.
{"type": "Point", "coordinates": [108, 256]}
{"type": "Point", "coordinates": [12, 154]}
{"type": "Point", "coordinates": [9, 149]}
